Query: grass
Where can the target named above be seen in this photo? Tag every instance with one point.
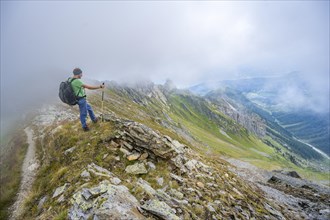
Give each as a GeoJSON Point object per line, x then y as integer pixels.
{"type": "Point", "coordinates": [11, 169]}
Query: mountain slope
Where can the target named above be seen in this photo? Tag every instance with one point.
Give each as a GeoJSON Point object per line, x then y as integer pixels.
{"type": "Point", "coordinates": [286, 103]}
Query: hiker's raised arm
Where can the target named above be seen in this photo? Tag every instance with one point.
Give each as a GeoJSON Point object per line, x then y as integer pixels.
{"type": "Point", "coordinates": [92, 87]}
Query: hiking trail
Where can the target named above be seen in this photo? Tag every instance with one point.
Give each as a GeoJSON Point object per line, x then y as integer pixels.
{"type": "Point", "coordinates": [29, 168]}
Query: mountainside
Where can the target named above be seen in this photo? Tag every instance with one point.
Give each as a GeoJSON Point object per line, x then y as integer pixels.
{"type": "Point", "coordinates": [164, 153]}
{"type": "Point", "coordinates": [283, 101]}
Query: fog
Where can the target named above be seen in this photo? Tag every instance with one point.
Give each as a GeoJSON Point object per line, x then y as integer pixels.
{"type": "Point", "coordinates": [188, 42]}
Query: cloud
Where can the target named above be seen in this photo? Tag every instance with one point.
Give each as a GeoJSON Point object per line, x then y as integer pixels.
{"type": "Point", "coordinates": [189, 42]}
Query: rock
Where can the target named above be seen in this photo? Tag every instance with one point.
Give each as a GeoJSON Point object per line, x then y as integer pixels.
{"type": "Point", "coordinates": [179, 161]}
{"type": "Point", "coordinates": [191, 165]}
{"type": "Point", "coordinates": [128, 146]}
{"type": "Point", "coordinates": [86, 175]}
{"type": "Point", "coordinates": [151, 165]}
{"type": "Point", "coordinates": [160, 209]}
{"type": "Point", "coordinates": [137, 168]}
{"type": "Point", "coordinates": [274, 212]}
{"type": "Point", "coordinates": [114, 144]}
{"type": "Point", "coordinates": [115, 181]}
{"type": "Point", "coordinates": [176, 194]}
{"type": "Point", "coordinates": [160, 181]}
{"type": "Point", "coordinates": [117, 158]}
{"type": "Point", "coordinates": [134, 156]}
{"type": "Point", "coordinates": [142, 138]}
{"type": "Point", "coordinates": [274, 180]}
{"type": "Point", "coordinates": [61, 199]}
{"type": "Point", "coordinates": [60, 190]}
{"type": "Point", "coordinates": [177, 178]}
{"type": "Point", "coordinates": [144, 156]}
{"type": "Point", "coordinates": [210, 208]}
{"type": "Point", "coordinates": [41, 202]}
{"type": "Point", "coordinates": [146, 187]}
{"type": "Point", "coordinates": [105, 156]}
{"type": "Point", "coordinates": [179, 148]}
{"type": "Point", "coordinates": [124, 151]}
{"type": "Point", "coordinates": [99, 171]}
{"type": "Point", "coordinates": [107, 202]}
{"type": "Point", "coordinates": [200, 184]}
{"type": "Point", "coordinates": [86, 194]}
{"type": "Point", "coordinates": [237, 192]}
{"type": "Point", "coordinates": [293, 174]}
{"type": "Point", "coordinates": [69, 151]}
{"type": "Point", "coordinates": [325, 213]}
{"type": "Point", "coordinates": [288, 173]}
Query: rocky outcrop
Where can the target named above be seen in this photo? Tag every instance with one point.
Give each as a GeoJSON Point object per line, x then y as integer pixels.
{"type": "Point", "coordinates": [302, 198]}
{"type": "Point", "coordinates": [104, 201]}
{"type": "Point", "coordinates": [138, 140]}
{"type": "Point", "coordinates": [238, 113]}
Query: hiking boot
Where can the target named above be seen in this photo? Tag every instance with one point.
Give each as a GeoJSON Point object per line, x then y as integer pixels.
{"type": "Point", "coordinates": [95, 121]}
{"type": "Point", "coordinates": [86, 128]}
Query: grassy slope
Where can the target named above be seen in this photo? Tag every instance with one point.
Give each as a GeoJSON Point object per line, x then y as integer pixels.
{"type": "Point", "coordinates": [12, 157]}
{"type": "Point", "coordinates": [242, 144]}
{"type": "Point", "coordinates": [209, 140]}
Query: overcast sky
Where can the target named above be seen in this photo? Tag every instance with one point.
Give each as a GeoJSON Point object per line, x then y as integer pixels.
{"type": "Point", "coordinates": [188, 42]}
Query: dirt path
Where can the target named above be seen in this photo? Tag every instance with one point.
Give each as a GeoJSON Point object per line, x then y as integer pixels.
{"type": "Point", "coordinates": [30, 165]}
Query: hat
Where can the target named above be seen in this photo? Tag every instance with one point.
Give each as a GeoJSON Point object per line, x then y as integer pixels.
{"type": "Point", "coordinates": [77, 71]}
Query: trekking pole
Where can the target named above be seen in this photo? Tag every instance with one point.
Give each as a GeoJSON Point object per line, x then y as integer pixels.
{"type": "Point", "coordinates": [102, 119]}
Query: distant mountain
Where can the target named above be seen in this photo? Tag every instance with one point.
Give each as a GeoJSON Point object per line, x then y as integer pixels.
{"type": "Point", "coordinates": [284, 101]}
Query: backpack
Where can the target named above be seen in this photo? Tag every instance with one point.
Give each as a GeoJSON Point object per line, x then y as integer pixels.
{"type": "Point", "coordinates": [66, 93]}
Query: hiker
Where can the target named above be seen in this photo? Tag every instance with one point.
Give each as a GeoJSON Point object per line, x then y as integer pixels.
{"type": "Point", "coordinates": [79, 89]}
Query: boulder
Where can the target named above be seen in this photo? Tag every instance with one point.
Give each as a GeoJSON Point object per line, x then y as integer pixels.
{"type": "Point", "coordinates": [137, 168]}
{"type": "Point", "coordinates": [104, 201]}
{"type": "Point", "coordinates": [134, 156]}
{"type": "Point", "coordinates": [146, 187]}
{"type": "Point", "coordinates": [160, 209]}
{"type": "Point", "coordinates": [60, 190]}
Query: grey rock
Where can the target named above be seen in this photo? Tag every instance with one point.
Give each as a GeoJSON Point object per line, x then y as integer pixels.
{"type": "Point", "coordinates": [177, 178]}
{"type": "Point", "coordinates": [274, 212]}
{"type": "Point", "coordinates": [176, 193]}
{"type": "Point", "coordinates": [210, 208]}
{"type": "Point", "coordinates": [151, 165]}
{"type": "Point", "coordinates": [86, 194]}
{"type": "Point", "coordinates": [160, 181]}
{"type": "Point", "coordinates": [146, 187]}
{"type": "Point", "coordinates": [69, 151]}
{"type": "Point", "coordinates": [85, 174]}
{"type": "Point", "coordinates": [137, 168]}
{"type": "Point", "coordinates": [128, 146]}
{"type": "Point", "coordinates": [60, 190]}
{"type": "Point", "coordinates": [41, 202]}
{"type": "Point", "coordinates": [124, 151]}
{"type": "Point", "coordinates": [179, 148]}
{"type": "Point", "coordinates": [108, 202]}
{"type": "Point", "coordinates": [115, 181]}
{"type": "Point", "coordinates": [61, 199]}
{"type": "Point", "coordinates": [160, 209]}
{"type": "Point", "coordinates": [99, 171]}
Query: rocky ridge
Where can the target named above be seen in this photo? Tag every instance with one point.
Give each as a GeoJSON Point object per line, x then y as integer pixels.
{"type": "Point", "coordinates": [304, 199]}
{"type": "Point", "coordinates": [160, 178]}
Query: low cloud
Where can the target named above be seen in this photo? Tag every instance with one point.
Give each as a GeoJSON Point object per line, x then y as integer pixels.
{"type": "Point", "coordinates": [188, 42]}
